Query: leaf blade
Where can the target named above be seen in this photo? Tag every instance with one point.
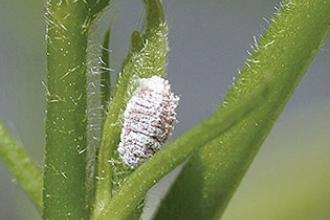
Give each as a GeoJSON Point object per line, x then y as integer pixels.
{"type": "Point", "coordinates": [210, 178]}
{"type": "Point", "coordinates": [21, 167]}
{"type": "Point", "coordinates": [106, 90]}
{"type": "Point", "coordinates": [147, 57]}
{"type": "Point", "coordinates": [139, 182]}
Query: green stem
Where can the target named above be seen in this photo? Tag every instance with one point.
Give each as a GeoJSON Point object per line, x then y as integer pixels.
{"type": "Point", "coordinates": [149, 173]}
{"type": "Point", "coordinates": [66, 120]}
{"type": "Point", "coordinates": [28, 175]}
{"type": "Point", "coordinates": [208, 181]}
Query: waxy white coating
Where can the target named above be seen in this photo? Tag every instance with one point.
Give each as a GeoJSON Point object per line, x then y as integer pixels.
{"type": "Point", "coordinates": [149, 120]}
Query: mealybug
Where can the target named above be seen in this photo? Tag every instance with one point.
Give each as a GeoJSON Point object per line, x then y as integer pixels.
{"type": "Point", "coordinates": [149, 120]}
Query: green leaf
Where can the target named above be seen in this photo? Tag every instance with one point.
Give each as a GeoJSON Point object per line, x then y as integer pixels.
{"type": "Point", "coordinates": [105, 71]}
{"type": "Point", "coordinates": [209, 179]}
{"type": "Point", "coordinates": [66, 120]}
{"type": "Point", "coordinates": [297, 188]}
{"type": "Point", "coordinates": [147, 57]}
{"type": "Point", "coordinates": [28, 175]}
{"type": "Point", "coordinates": [97, 6]}
{"type": "Point", "coordinates": [149, 173]}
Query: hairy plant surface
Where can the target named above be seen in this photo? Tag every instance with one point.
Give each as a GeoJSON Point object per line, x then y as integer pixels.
{"type": "Point", "coordinates": [217, 151]}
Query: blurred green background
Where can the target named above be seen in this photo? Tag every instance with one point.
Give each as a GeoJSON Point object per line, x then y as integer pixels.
{"type": "Point", "coordinates": [289, 179]}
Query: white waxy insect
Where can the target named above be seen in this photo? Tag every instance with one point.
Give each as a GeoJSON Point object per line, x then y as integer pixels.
{"type": "Point", "coordinates": [149, 120]}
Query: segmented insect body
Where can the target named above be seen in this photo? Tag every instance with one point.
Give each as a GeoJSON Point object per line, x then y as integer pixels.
{"type": "Point", "coordinates": [149, 120]}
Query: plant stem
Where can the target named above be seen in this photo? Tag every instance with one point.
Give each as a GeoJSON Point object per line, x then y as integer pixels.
{"type": "Point", "coordinates": [28, 175]}
{"type": "Point", "coordinates": [66, 120]}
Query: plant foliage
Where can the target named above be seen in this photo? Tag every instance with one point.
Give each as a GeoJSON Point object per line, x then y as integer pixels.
{"type": "Point", "coordinates": [218, 151]}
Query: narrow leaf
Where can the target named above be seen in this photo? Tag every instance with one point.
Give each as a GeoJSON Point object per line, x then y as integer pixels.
{"type": "Point", "coordinates": [209, 179]}
{"type": "Point", "coordinates": [97, 6]}
{"type": "Point", "coordinates": [28, 175]}
{"type": "Point", "coordinates": [149, 173]}
{"type": "Point", "coordinates": [147, 57]}
{"type": "Point", "coordinates": [105, 71]}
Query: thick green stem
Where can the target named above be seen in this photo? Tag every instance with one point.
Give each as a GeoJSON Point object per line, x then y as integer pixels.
{"type": "Point", "coordinates": [28, 175]}
{"type": "Point", "coordinates": [209, 179]}
{"type": "Point", "coordinates": [66, 120]}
